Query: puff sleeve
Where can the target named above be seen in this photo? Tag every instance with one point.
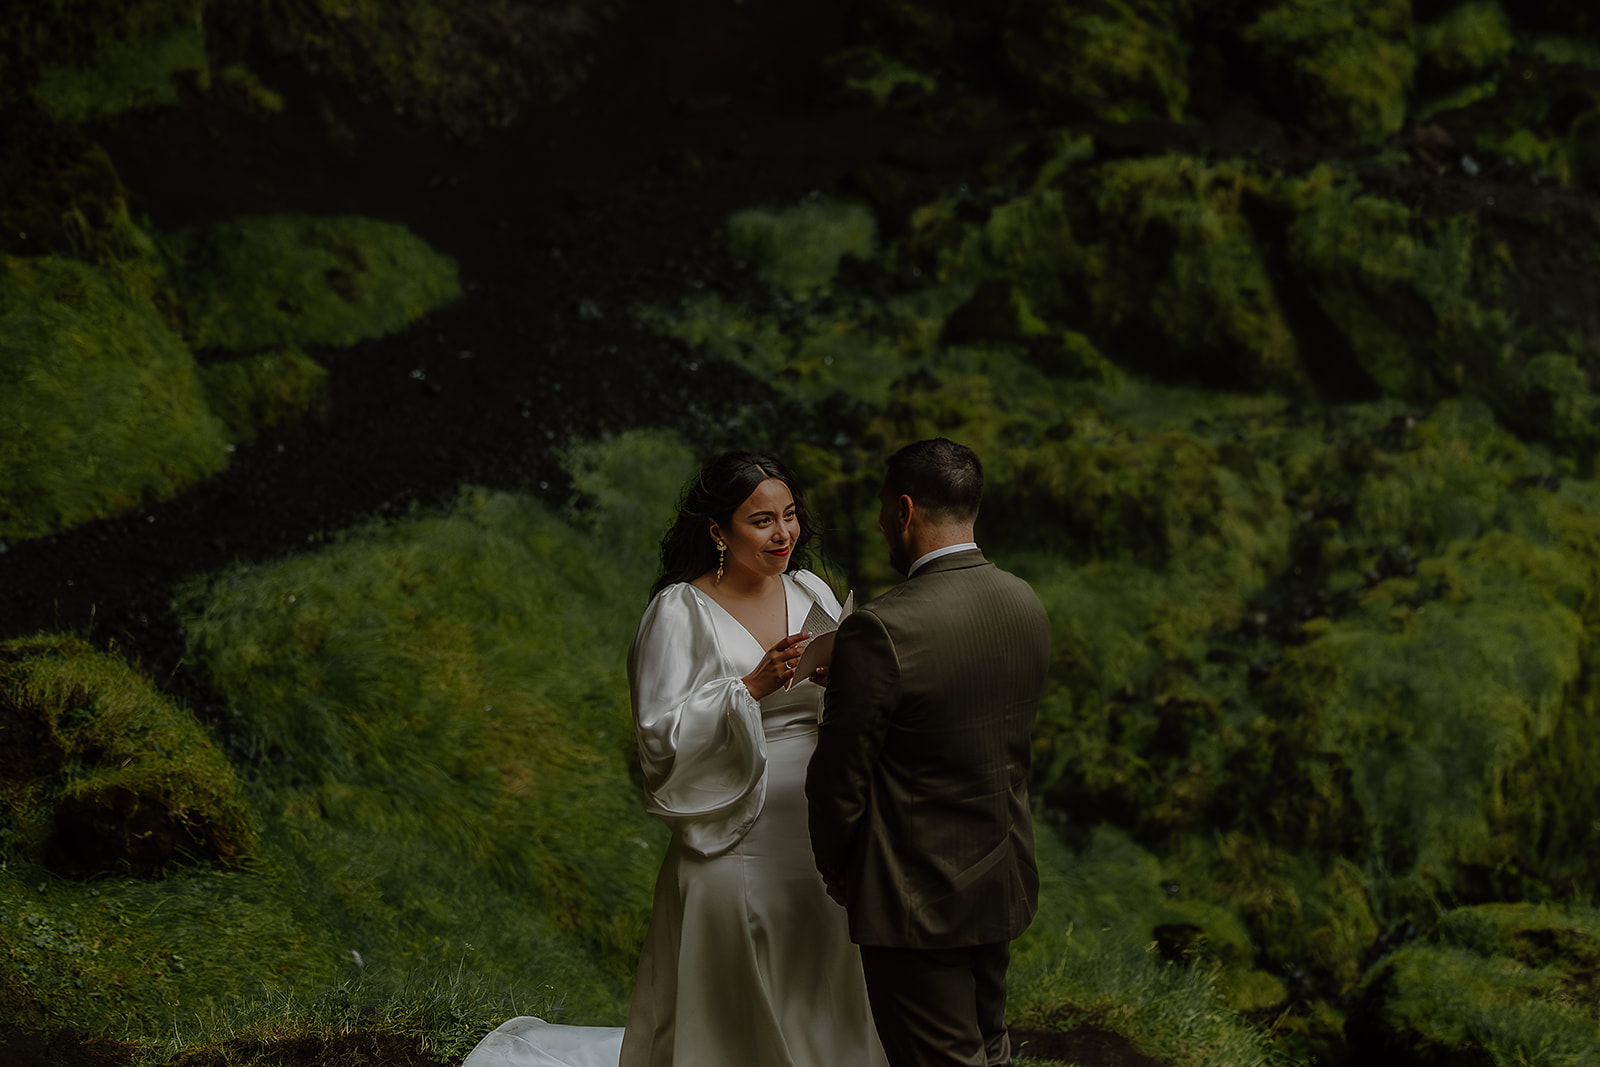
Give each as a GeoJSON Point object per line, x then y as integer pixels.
{"type": "Point", "coordinates": [699, 730]}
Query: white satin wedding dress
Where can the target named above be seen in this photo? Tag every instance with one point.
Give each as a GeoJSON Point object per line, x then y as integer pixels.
{"type": "Point", "coordinates": [747, 963]}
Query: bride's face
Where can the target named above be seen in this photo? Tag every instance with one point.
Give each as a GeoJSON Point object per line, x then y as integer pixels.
{"type": "Point", "coordinates": [761, 533]}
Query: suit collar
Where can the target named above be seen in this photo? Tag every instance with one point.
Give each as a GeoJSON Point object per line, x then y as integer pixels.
{"type": "Point", "coordinates": [955, 561]}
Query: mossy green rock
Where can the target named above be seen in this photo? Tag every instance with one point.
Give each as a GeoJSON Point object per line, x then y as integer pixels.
{"type": "Point", "coordinates": [88, 58]}
{"type": "Point", "coordinates": [261, 282]}
{"type": "Point", "coordinates": [463, 64]}
{"type": "Point", "coordinates": [1468, 41]}
{"type": "Point", "coordinates": [1342, 67]}
{"type": "Point", "coordinates": [1497, 984]}
{"type": "Point", "coordinates": [867, 73]}
{"type": "Point", "coordinates": [100, 406]}
{"type": "Point", "coordinates": [101, 772]}
{"type": "Point", "coordinates": [1155, 260]}
{"type": "Point", "coordinates": [262, 392]}
{"type": "Point", "coordinates": [1113, 59]}
{"type": "Point", "coordinates": [798, 248]}
{"type": "Point", "coordinates": [1411, 297]}
{"type": "Point", "coordinates": [129, 73]}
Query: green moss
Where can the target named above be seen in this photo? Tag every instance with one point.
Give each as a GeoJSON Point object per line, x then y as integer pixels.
{"type": "Point", "coordinates": [1527, 147]}
{"type": "Point", "coordinates": [261, 282]}
{"type": "Point", "coordinates": [1177, 252]}
{"type": "Point", "coordinates": [1402, 291]}
{"type": "Point", "coordinates": [996, 311]}
{"type": "Point", "coordinates": [453, 680]}
{"type": "Point", "coordinates": [102, 772]}
{"type": "Point", "coordinates": [259, 393]}
{"type": "Point", "coordinates": [798, 249]}
{"type": "Point", "coordinates": [1115, 59]}
{"type": "Point", "coordinates": [1502, 983]}
{"type": "Point", "coordinates": [88, 58]}
{"type": "Point", "coordinates": [1091, 957]}
{"type": "Point", "coordinates": [1343, 67]}
{"type": "Point", "coordinates": [867, 73]}
{"type": "Point", "coordinates": [1557, 392]}
{"type": "Point", "coordinates": [1327, 662]}
{"type": "Point", "coordinates": [1155, 260]}
{"type": "Point", "coordinates": [1427, 750]}
{"type": "Point", "coordinates": [1453, 100]}
{"type": "Point", "coordinates": [128, 73]}
{"type": "Point", "coordinates": [65, 198]}
{"type": "Point", "coordinates": [1566, 51]}
{"type": "Point", "coordinates": [101, 408]}
{"type": "Point", "coordinates": [436, 731]}
{"type": "Point", "coordinates": [242, 82]}
{"type": "Point", "coordinates": [1306, 914]}
{"type": "Point", "coordinates": [1583, 149]}
{"type": "Point", "coordinates": [1466, 42]}
{"type": "Point", "coordinates": [465, 65]}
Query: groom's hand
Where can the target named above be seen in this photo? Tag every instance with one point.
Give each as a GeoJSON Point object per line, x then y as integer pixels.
{"type": "Point", "coordinates": [839, 890]}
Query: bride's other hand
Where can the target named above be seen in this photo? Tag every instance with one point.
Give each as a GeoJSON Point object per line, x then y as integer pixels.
{"type": "Point", "coordinates": [776, 667]}
{"type": "Point", "coordinates": [820, 675]}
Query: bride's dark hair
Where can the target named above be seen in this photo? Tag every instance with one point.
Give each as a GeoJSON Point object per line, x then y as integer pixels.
{"type": "Point", "coordinates": [722, 485]}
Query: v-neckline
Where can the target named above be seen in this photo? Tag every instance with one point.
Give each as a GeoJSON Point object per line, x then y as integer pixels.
{"type": "Point", "coordinates": [787, 584]}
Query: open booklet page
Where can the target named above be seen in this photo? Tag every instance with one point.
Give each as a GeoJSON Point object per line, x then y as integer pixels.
{"type": "Point", "coordinates": [821, 626]}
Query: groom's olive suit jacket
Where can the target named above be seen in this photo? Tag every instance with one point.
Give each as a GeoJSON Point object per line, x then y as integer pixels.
{"type": "Point", "coordinates": [918, 790]}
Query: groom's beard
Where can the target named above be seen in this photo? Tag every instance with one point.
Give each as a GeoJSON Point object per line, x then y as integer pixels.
{"type": "Point", "coordinates": [899, 555]}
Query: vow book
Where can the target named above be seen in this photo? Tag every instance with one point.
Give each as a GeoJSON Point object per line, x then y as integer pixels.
{"type": "Point", "coordinates": [821, 626]}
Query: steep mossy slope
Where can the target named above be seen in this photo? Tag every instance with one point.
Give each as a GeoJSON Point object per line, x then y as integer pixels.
{"type": "Point", "coordinates": [1328, 661]}
{"type": "Point", "coordinates": [1274, 325]}
{"type": "Point", "coordinates": [430, 721]}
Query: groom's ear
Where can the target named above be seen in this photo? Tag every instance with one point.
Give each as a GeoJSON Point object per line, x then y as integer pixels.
{"type": "Point", "coordinates": [905, 508]}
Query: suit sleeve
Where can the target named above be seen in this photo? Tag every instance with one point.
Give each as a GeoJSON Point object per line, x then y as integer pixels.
{"type": "Point", "coordinates": [863, 691]}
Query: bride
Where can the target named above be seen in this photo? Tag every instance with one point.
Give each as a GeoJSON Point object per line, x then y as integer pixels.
{"type": "Point", "coordinates": [746, 961]}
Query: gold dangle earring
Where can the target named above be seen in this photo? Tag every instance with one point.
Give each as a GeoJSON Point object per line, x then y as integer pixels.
{"type": "Point", "coordinates": [722, 550]}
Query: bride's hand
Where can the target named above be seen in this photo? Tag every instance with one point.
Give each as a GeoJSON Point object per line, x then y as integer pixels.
{"type": "Point", "coordinates": [776, 667]}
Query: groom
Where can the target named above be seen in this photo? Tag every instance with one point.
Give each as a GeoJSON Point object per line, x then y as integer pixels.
{"type": "Point", "coordinates": [918, 790]}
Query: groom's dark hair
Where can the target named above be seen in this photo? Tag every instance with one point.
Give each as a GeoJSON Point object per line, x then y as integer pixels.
{"type": "Point", "coordinates": [941, 477]}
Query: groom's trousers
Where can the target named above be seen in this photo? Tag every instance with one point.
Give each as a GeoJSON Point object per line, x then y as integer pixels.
{"type": "Point", "coordinates": [940, 1007]}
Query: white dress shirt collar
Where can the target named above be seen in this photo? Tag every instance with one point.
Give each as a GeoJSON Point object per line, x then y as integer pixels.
{"type": "Point", "coordinates": [947, 550]}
